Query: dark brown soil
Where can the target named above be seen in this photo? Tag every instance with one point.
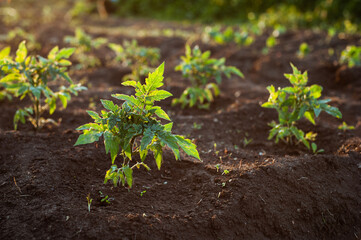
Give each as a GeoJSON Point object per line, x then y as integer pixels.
{"type": "Point", "coordinates": [273, 191]}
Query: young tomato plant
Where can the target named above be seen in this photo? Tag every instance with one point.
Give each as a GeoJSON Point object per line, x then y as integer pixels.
{"type": "Point", "coordinates": [4, 70]}
{"type": "Point", "coordinates": [134, 128]}
{"type": "Point", "coordinates": [351, 56]}
{"type": "Point", "coordinates": [202, 71]}
{"type": "Point", "coordinates": [139, 59]}
{"type": "Point", "coordinates": [292, 104]}
{"type": "Point", "coordinates": [85, 44]}
{"type": "Point", "coordinates": [303, 50]}
{"type": "Point", "coordinates": [29, 76]}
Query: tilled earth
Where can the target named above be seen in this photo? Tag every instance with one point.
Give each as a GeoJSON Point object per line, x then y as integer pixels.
{"type": "Point", "coordinates": [272, 191]}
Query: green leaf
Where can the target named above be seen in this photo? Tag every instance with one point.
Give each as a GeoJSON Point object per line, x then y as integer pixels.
{"type": "Point", "coordinates": [162, 114]}
{"type": "Point", "coordinates": [158, 156]}
{"type": "Point", "coordinates": [5, 52]}
{"type": "Point", "coordinates": [155, 79]}
{"type": "Point", "coordinates": [64, 53]}
{"type": "Point", "coordinates": [36, 91]}
{"type": "Point", "coordinates": [187, 146]}
{"type": "Point", "coordinates": [52, 105]}
{"type": "Point", "coordinates": [159, 95]}
{"type": "Point", "coordinates": [171, 141]}
{"type": "Point", "coordinates": [334, 111]}
{"type": "Point", "coordinates": [53, 52]}
{"type": "Point", "coordinates": [89, 126]}
{"type": "Point", "coordinates": [111, 144]}
{"type": "Point", "coordinates": [109, 105]}
{"type": "Point", "coordinates": [21, 53]}
{"type": "Point", "coordinates": [146, 139]}
{"type": "Point", "coordinates": [128, 172]}
{"type": "Point", "coordinates": [10, 77]}
{"type": "Point", "coordinates": [168, 127]}
{"type": "Point", "coordinates": [310, 117]}
{"type": "Point", "coordinates": [88, 137]}
{"type": "Point", "coordinates": [130, 83]}
{"type": "Point", "coordinates": [93, 115]}
{"type": "Point", "coordinates": [65, 75]}
{"type": "Point", "coordinates": [63, 99]}
{"type": "Point", "coordinates": [314, 147]}
{"type": "Point", "coordinates": [235, 71]}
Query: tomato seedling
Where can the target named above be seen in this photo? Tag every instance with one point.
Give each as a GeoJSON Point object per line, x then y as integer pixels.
{"type": "Point", "coordinates": [140, 59]}
{"type": "Point", "coordinates": [136, 119]}
{"type": "Point", "coordinates": [29, 76]}
{"type": "Point", "coordinates": [303, 50]}
{"type": "Point", "coordinates": [85, 44]}
{"type": "Point", "coordinates": [200, 69]}
{"type": "Point", "coordinates": [351, 56]}
{"type": "Point", "coordinates": [296, 102]}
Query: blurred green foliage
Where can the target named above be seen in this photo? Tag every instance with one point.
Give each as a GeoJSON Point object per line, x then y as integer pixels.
{"type": "Point", "coordinates": [317, 11]}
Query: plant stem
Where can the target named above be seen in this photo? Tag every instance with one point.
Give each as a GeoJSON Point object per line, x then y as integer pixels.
{"type": "Point", "coordinates": [37, 113]}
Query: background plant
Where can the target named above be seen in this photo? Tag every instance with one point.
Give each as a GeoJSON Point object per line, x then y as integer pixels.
{"type": "Point", "coordinates": [4, 70]}
{"type": "Point", "coordinates": [134, 128]}
{"type": "Point", "coordinates": [303, 50]}
{"type": "Point", "coordinates": [29, 76]}
{"type": "Point", "coordinates": [296, 102]}
{"type": "Point", "coordinates": [140, 59]}
{"type": "Point", "coordinates": [19, 34]}
{"type": "Point", "coordinates": [85, 44]}
{"type": "Point", "coordinates": [351, 56]}
{"type": "Point", "coordinates": [205, 74]}
{"type": "Point", "coordinates": [241, 37]}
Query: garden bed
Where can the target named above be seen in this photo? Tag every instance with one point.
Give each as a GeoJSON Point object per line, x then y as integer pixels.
{"type": "Point", "coordinates": [271, 191]}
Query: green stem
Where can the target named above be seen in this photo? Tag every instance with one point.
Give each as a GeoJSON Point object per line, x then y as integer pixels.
{"type": "Point", "coordinates": [37, 113]}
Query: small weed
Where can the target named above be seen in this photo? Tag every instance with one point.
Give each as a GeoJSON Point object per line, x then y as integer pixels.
{"type": "Point", "coordinates": [89, 199]}
{"type": "Point", "coordinates": [303, 50]}
{"type": "Point", "coordinates": [217, 166]}
{"type": "Point", "coordinates": [246, 141]}
{"type": "Point", "coordinates": [225, 172]}
{"type": "Point", "coordinates": [197, 126]}
{"type": "Point", "coordinates": [142, 193]}
{"type": "Point", "coordinates": [344, 127]}
{"type": "Point", "coordinates": [104, 198]}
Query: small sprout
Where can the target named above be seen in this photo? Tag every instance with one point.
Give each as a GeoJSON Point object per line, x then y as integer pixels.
{"type": "Point", "coordinates": [89, 201]}
{"type": "Point", "coordinates": [236, 147]}
{"type": "Point", "coordinates": [142, 193]}
{"type": "Point", "coordinates": [105, 198]}
{"type": "Point", "coordinates": [225, 172]}
{"type": "Point", "coordinates": [215, 149]}
{"type": "Point", "coordinates": [344, 127]}
{"type": "Point", "coordinates": [197, 126]}
{"type": "Point", "coordinates": [246, 141]}
{"type": "Point", "coordinates": [303, 50]}
{"type": "Point", "coordinates": [270, 43]}
{"type": "Point", "coordinates": [314, 149]}
{"type": "Point", "coordinates": [223, 184]}
{"type": "Point", "coordinates": [217, 166]}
